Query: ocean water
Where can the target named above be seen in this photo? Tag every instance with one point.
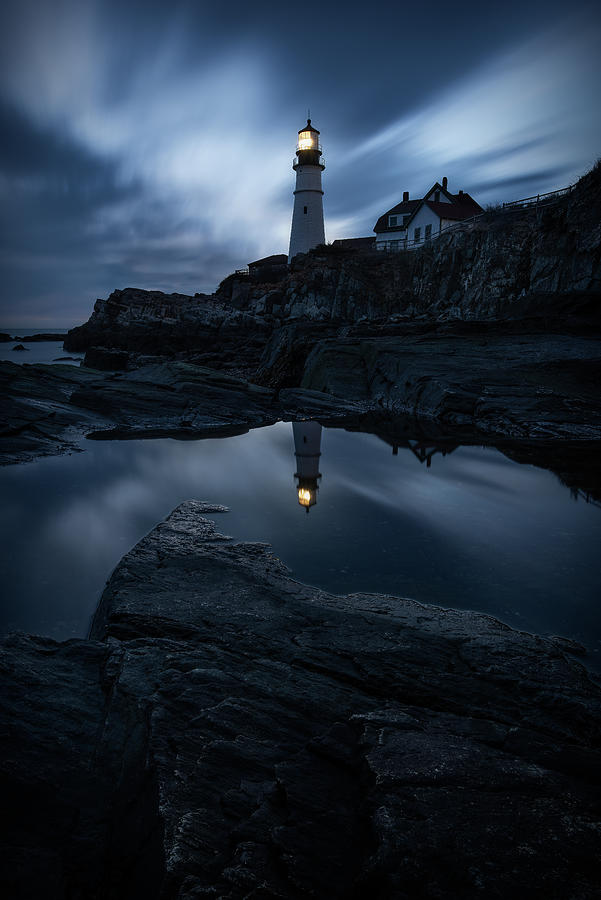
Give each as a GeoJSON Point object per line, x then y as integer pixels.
{"type": "Point", "coordinates": [472, 529]}
{"type": "Point", "coordinates": [38, 351]}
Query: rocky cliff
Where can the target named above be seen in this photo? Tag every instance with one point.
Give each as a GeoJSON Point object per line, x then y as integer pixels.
{"type": "Point", "coordinates": [543, 262]}
{"type": "Point", "coordinates": [151, 322]}
{"type": "Point", "coordinates": [229, 732]}
{"type": "Point", "coordinates": [453, 331]}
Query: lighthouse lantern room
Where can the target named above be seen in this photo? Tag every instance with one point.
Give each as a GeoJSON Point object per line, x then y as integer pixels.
{"type": "Point", "coordinates": [307, 217]}
{"type": "Point", "coordinates": [307, 449]}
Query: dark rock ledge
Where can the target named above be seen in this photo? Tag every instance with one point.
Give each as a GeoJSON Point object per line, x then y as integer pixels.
{"type": "Point", "coordinates": [47, 410]}
{"type": "Point", "coordinates": [229, 732]}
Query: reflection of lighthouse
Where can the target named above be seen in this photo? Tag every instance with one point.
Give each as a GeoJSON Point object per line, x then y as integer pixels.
{"type": "Point", "coordinates": [307, 449]}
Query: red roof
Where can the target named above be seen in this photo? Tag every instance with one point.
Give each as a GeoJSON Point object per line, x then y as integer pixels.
{"type": "Point", "coordinates": [464, 208]}
{"type": "Point", "coordinates": [437, 186]}
{"type": "Point", "coordinates": [406, 208]}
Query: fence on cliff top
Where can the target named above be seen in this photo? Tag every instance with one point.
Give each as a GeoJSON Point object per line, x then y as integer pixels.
{"type": "Point", "coordinates": [539, 199]}
{"type": "Point", "coordinates": [534, 202]}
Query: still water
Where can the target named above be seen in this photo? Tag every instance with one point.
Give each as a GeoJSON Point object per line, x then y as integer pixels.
{"type": "Point", "coordinates": [37, 351]}
{"type": "Point", "coordinates": [471, 530]}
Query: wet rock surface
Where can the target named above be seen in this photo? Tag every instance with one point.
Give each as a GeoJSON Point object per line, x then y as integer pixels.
{"type": "Point", "coordinates": [477, 386]}
{"type": "Point", "coordinates": [228, 732]}
{"type": "Point", "coordinates": [47, 409]}
{"type": "Point", "coordinates": [523, 385]}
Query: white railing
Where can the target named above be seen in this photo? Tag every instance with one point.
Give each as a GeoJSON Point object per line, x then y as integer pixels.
{"type": "Point", "coordinates": [414, 243]}
{"type": "Point", "coordinates": [296, 162]}
{"type": "Point", "coordinates": [550, 196]}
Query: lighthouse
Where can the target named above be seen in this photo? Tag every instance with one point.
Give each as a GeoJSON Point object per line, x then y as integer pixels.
{"type": "Point", "coordinates": [307, 449]}
{"type": "Point", "coordinates": [307, 217]}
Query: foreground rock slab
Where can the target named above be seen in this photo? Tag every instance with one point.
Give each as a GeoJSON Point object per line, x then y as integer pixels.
{"type": "Point", "coordinates": [230, 732]}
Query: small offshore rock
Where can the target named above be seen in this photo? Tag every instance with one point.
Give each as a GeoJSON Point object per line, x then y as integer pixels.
{"type": "Point", "coordinates": [42, 337]}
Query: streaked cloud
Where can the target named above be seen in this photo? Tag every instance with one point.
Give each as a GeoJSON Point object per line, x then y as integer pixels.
{"type": "Point", "coordinates": [152, 146]}
{"type": "Point", "coordinates": [525, 120]}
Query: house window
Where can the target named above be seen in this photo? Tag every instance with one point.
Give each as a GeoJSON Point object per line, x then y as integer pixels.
{"type": "Point", "coordinates": [428, 233]}
{"type": "Point", "coordinates": [437, 197]}
{"type": "Point", "coordinates": [392, 220]}
{"type": "Point", "coordinates": [305, 210]}
{"type": "Point", "coordinates": [417, 235]}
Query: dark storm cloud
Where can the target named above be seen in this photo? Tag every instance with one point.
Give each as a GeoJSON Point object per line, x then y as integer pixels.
{"type": "Point", "coordinates": [49, 256]}
{"type": "Point", "coordinates": [150, 143]}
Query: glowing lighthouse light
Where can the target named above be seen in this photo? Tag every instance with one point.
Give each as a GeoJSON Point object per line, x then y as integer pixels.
{"type": "Point", "coordinates": [308, 140]}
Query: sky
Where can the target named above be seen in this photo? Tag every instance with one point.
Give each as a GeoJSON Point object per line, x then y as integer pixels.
{"type": "Point", "coordinates": [148, 143]}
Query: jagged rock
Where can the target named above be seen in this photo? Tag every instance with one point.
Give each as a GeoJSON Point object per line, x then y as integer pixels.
{"type": "Point", "coordinates": [409, 333]}
{"type": "Point", "coordinates": [533, 386]}
{"type": "Point", "coordinates": [543, 263]}
{"type": "Point", "coordinates": [20, 347]}
{"type": "Point", "coordinates": [38, 418]}
{"type": "Point", "coordinates": [297, 403]}
{"type": "Point", "coordinates": [151, 322]}
{"type": "Point", "coordinates": [228, 732]}
{"type": "Point", "coordinates": [47, 409]}
{"type": "Point", "coordinates": [106, 360]}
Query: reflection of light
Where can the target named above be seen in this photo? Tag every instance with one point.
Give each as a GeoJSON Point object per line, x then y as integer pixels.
{"type": "Point", "coordinates": [306, 141]}
{"type": "Point", "coordinates": [304, 496]}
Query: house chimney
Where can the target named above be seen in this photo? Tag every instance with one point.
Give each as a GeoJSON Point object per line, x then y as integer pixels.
{"type": "Point", "coordinates": [444, 183]}
{"type": "Point", "coordinates": [405, 196]}
{"type": "Point", "coordinates": [461, 193]}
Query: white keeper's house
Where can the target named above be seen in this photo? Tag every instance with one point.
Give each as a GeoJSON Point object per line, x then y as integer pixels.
{"type": "Point", "coordinates": [412, 223]}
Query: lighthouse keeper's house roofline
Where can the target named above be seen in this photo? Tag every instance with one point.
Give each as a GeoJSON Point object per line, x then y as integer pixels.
{"type": "Point", "coordinates": [426, 216]}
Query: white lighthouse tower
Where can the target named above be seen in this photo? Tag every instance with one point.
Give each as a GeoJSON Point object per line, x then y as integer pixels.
{"type": "Point", "coordinates": [307, 217]}
{"type": "Point", "coordinates": [307, 449]}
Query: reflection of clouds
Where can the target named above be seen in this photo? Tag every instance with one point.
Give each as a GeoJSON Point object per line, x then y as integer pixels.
{"type": "Point", "coordinates": [92, 520]}
{"type": "Point", "coordinates": [472, 495]}
{"type": "Point", "coordinates": [475, 523]}
{"type": "Point", "coordinates": [161, 474]}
